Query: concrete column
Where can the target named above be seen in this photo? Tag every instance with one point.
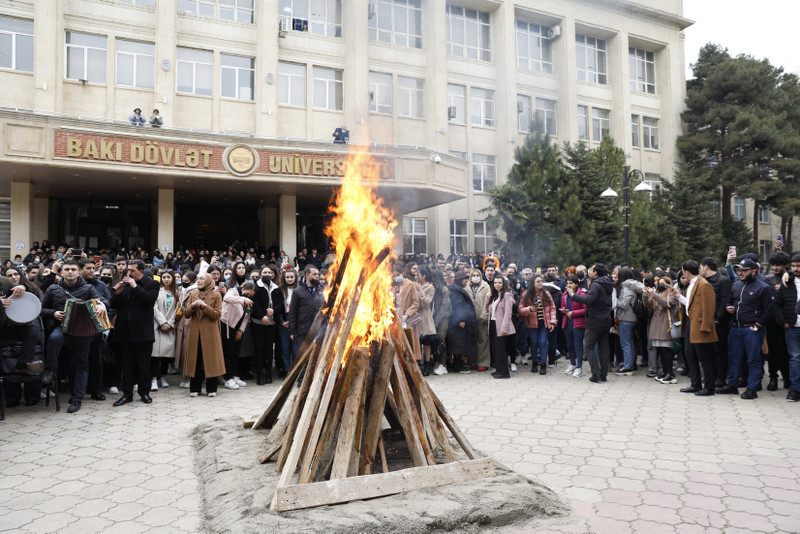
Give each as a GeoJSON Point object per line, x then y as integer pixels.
{"type": "Point", "coordinates": [268, 225]}
{"type": "Point", "coordinates": [441, 224]}
{"type": "Point", "coordinates": [267, 48]}
{"type": "Point", "coordinates": [48, 27]}
{"type": "Point", "coordinates": [41, 218]}
{"type": "Point", "coordinates": [166, 29]}
{"type": "Point", "coordinates": [287, 233]}
{"type": "Point", "coordinates": [21, 216]}
{"type": "Point", "coordinates": [165, 220]}
{"type": "Point", "coordinates": [356, 69]}
{"type": "Point", "coordinates": [565, 66]}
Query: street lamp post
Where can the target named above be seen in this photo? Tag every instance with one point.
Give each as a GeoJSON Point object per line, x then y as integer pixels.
{"type": "Point", "coordinates": [643, 187]}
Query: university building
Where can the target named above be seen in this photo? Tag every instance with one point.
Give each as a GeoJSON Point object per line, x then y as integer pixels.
{"type": "Point", "coordinates": [438, 92]}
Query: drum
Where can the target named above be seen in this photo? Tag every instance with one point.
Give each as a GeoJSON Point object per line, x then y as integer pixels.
{"type": "Point", "coordinates": [24, 309]}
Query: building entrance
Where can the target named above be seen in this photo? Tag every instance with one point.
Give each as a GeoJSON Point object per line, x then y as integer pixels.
{"type": "Point", "coordinates": [204, 226]}
{"type": "Point", "coordinates": [98, 225]}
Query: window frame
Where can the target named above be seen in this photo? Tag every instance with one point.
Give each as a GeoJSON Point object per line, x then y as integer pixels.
{"type": "Point", "coordinates": [15, 37]}
{"type": "Point", "coordinates": [407, 95]}
{"type": "Point", "coordinates": [642, 78]}
{"type": "Point", "coordinates": [635, 135]}
{"type": "Point", "coordinates": [453, 101]}
{"type": "Point", "coordinates": [526, 113]}
{"type": "Point", "coordinates": [599, 58]}
{"type": "Point", "coordinates": [598, 121]}
{"type": "Point", "coordinates": [484, 236]}
{"type": "Point", "coordinates": [330, 84]}
{"type": "Point", "coordinates": [291, 80]}
{"type": "Point", "coordinates": [456, 238]}
{"type": "Point", "coordinates": [482, 47]}
{"type": "Point", "coordinates": [237, 73]}
{"type": "Point", "coordinates": [86, 49]}
{"type": "Point", "coordinates": [219, 8]}
{"type": "Point", "coordinates": [739, 204]}
{"type": "Point", "coordinates": [484, 105]}
{"type": "Point", "coordinates": [487, 167]}
{"type": "Point", "coordinates": [392, 34]}
{"type": "Point", "coordinates": [378, 88]}
{"type": "Point", "coordinates": [136, 60]}
{"type": "Point", "coordinates": [583, 112]}
{"type": "Point", "coordinates": [546, 113]}
{"type": "Point", "coordinates": [762, 209]}
{"type": "Point", "coordinates": [194, 64]}
{"type": "Point", "coordinates": [414, 235]}
{"type": "Point", "coordinates": [651, 135]}
{"type": "Point", "coordinates": [542, 43]}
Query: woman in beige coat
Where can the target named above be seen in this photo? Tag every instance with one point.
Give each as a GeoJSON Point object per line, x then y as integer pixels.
{"type": "Point", "coordinates": [204, 357]}
{"type": "Point", "coordinates": [427, 328]}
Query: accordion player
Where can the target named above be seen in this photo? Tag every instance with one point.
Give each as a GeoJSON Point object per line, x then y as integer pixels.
{"type": "Point", "coordinates": [84, 318]}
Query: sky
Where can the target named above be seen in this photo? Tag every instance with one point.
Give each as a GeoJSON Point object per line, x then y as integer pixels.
{"type": "Point", "coordinates": [768, 31]}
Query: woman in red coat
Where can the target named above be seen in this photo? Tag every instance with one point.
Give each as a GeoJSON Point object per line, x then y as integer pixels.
{"type": "Point", "coordinates": [500, 307]}
{"type": "Point", "coordinates": [574, 325]}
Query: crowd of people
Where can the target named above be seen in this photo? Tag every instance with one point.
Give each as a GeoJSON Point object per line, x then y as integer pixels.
{"type": "Point", "coordinates": [238, 314]}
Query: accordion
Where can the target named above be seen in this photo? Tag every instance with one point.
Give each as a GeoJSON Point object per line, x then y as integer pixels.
{"type": "Point", "coordinates": [84, 318]}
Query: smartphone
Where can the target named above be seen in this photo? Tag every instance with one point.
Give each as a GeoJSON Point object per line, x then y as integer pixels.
{"type": "Point", "coordinates": [732, 249]}
{"type": "Point", "coordinates": [97, 259]}
{"type": "Point", "coordinates": [779, 240]}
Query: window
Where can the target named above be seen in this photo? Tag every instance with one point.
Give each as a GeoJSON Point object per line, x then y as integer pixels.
{"type": "Point", "coordinates": [457, 103]}
{"type": "Point", "coordinates": [601, 124]}
{"type": "Point", "coordinates": [653, 180]}
{"type": "Point", "coordinates": [482, 104]}
{"type": "Point", "coordinates": [320, 17]}
{"type": "Point", "coordinates": [5, 228]}
{"type": "Point", "coordinates": [328, 89]}
{"type": "Point", "coordinates": [150, 3]}
{"type": "Point", "coordinates": [643, 70]}
{"type": "Point", "coordinates": [545, 114]}
{"type": "Point", "coordinates": [764, 215]}
{"type": "Point", "coordinates": [468, 33]}
{"type": "Point", "coordinates": [765, 250]}
{"type": "Point", "coordinates": [291, 84]}
{"type": "Point", "coordinates": [460, 155]}
{"type": "Point", "coordinates": [411, 97]}
{"type": "Point", "coordinates": [634, 130]}
{"type": "Point", "coordinates": [591, 59]}
{"type": "Point", "coordinates": [136, 64]}
{"type": "Point", "coordinates": [195, 71]}
{"type": "Point", "coordinates": [238, 10]}
{"type": "Point", "coordinates": [16, 44]}
{"type": "Point", "coordinates": [739, 209]}
{"type": "Point", "coordinates": [533, 47]}
{"type": "Point", "coordinates": [583, 122]}
{"type": "Point", "coordinates": [380, 92]}
{"type": "Point", "coordinates": [237, 75]}
{"type": "Point", "coordinates": [481, 237]}
{"type": "Point", "coordinates": [86, 57]}
{"type": "Point", "coordinates": [484, 172]}
{"type": "Point", "coordinates": [415, 235]}
{"type": "Point", "coordinates": [458, 236]}
{"type": "Point", "coordinates": [397, 22]}
{"type": "Point", "coordinates": [524, 112]}
{"type": "Point", "coordinates": [650, 133]}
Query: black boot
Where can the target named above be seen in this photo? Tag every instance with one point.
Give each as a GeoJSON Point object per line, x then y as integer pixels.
{"type": "Point", "coordinates": [426, 369]}
{"type": "Point", "coordinates": [262, 378]}
{"type": "Point", "coordinates": [773, 383]}
{"type": "Point", "coordinates": [534, 367]}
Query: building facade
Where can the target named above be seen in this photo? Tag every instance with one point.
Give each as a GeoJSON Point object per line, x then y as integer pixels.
{"type": "Point", "coordinates": [250, 91]}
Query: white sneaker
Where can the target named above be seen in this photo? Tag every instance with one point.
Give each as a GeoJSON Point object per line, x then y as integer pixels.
{"type": "Point", "coordinates": [514, 367]}
{"type": "Point", "coordinates": [136, 387]}
{"type": "Point", "coordinates": [212, 394]}
{"type": "Point", "coordinates": [552, 365]}
{"type": "Point", "coordinates": [230, 384]}
{"type": "Point", "coordinates": [154, 385]}
{"type": "Point", "coordinates": [42, 394]}
{"type": "Point", "coordinates": [185, 384]}
{"type": "Point", "coordinates": [578, 372]}
{"type": "Point", "coordinates": [569, 370]}
{"type": "Point", "coordinates": [239, 382]}
{"type": "Point", "coordinates": [164, 383]}
{"type": "Point", "coordinates": [524, 360]}
{"type": "Point", "coordinates": [113, 390]}
{"type": "Point", "coordinates": [194, 394]}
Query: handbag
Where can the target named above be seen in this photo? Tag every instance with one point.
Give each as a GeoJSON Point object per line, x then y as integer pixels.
{"type": "Point", "coordinates": [674, 328]}
{"type": "Point", "coordinates": [414, 320]}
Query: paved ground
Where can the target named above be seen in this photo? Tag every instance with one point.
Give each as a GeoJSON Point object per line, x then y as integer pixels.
{"type": "Point", "coordinates": [629, 455]}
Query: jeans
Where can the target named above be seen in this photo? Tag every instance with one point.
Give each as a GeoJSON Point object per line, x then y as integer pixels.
{"type": "Point", "coordinates": [626, 341]}
{"type": "Point", "coordinates": [575, 343]}
{"type": "Point", "coordinates": [288, 348]}
{"type": "Point", "coordinates": [522, 338]}
{"type": "Point", "coordinates": [793, 347]}
{"type": "Point", "coordinates": [537, 339]}
{"type": "Point", "coordinates": [78, 358]}
{"type": "Point", "coordinates": [744, 349]}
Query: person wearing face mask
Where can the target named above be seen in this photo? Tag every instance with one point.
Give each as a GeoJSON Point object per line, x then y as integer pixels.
{"type": "Point", "coordinates": [236, 307]}
{"type": "Point", "coordinates": [307, 300]}
{"type": "Point", "coordinates": [183, 324]}
{"type": "Point", "coordinates": [479, 289]}
{"type": "Point", "coordinates": [267, 312]}
{"type": "Point", "coordinates": [164, 322]}
{"type": "Point", "coordinates": [204, 356]}
{"type": "Point", "coordinates": [664, 306]}
{"type": "Point", "coordinates": [751, 306]}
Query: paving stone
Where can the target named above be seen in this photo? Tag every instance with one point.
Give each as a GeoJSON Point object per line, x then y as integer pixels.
{"type": "Point", "coordinates": [44, 523]}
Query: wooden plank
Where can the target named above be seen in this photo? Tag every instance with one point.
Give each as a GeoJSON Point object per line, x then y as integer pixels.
{"type": "Point", "coordinates": [428, 408]}
{"type": "Point", "coordinates": [460, 437]}
{"type": "Point", "coordinates": [267, 419]}
{"type": "Point", "coordinates": [376, 407]}
{"type": "Point", "coordinates": [248, 423]}
{"type": "Point", "coordinates": [301, 496]}
{"type": "Point", "coordinates": [384, 463]}
{"type": "Point", "coordinates": [345, 461]}
{"type": "Point", "coordinates": [279, 428]}
{"type": "Point", "coordinates": [421, 453]}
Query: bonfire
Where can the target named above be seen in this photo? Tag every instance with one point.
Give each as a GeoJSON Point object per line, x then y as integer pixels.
{"type": "Point", "coordinates": [327, 434]}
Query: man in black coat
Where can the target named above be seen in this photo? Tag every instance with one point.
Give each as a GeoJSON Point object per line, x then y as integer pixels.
{"type": "Point", "coordinates": [72, 285]}
{"type": "Point", "coordinates": [133, 334]}
{"type": "Point", "coordinates": [599, 320]}
{"type": "Point", "coordinates": [307, 300]}
{"type": "Point", "coordinates": [787, 313]}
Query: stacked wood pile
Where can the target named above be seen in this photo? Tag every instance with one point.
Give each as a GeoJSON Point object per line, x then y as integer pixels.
{"type": "Point", "coordinates": [326, 435]}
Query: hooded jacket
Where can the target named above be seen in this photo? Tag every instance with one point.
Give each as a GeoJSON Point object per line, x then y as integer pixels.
{"type": "Point", "coordinates": [599, 313]}
{"type": "Point", "coordinates": [627, 296]}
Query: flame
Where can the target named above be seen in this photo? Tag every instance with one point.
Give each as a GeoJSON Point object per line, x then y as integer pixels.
{"type": "Point", "coordinates": [362, 222]}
